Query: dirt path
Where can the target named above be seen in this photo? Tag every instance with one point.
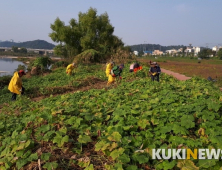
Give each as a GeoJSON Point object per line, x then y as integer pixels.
{"type": "Point", "coordinates": [176, 75]}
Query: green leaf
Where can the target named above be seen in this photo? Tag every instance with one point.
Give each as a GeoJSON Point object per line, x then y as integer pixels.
{"type": "Point", "coordinates": [206, 163]}
{"type": "Point", "coordinates": [187, 121]}
{"type": "Point", "coordinates": [186, 165]}
{"type": "Point", "coordinates": [33, 157]}
{"type": "Point", "coordinates": [48, 136]}
{"type": "Point", "coordinates": [143, 123]}
{"type": "Point", "coordinates": [214, 106]}
{"type": "Point", "coordinates": [140, 158]}
{"type": "Point", "coordinates": [124, 158]}
{"type": "Point", "coordinates": [101, 145]}
{"type": "Point", "coordinates": [64, 139]}
{"type": "Point", "coordinates": [45, 156]}
{"type": "Point", "coordinates": [60, 140]}
{"type": "Point", "coordinates": [90, 167]}
{"type": "Point", "coordinates": [57, 139]}
{"type": "Point", "coordinates": [169, 165]}
{"type": "Point", "coordinates": [50, 165]}
{"type": "Point", "coordinates": [177, 129]}
{"type": "Point", "coordinates": [115, 136]}
{"type": "Point", "coordinates": [63, 130]}
{"type": "Point", "coordinates": [21, 162]}
{"type": "Point", "coordinates": [84, 139]}
{"type": "Point", "coordinates": [116, 153]}
{"type": "Point", "coordinates": [132, 167]}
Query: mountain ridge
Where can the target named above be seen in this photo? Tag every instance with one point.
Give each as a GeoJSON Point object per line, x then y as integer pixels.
{"type": "Point", "coordinates": [35, 44]}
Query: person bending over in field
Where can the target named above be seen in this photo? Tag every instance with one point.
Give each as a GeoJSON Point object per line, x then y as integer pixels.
{"type": "Point", "coordinates": [154, 71]}
{"type": "Point", "coordinates": [135, 67]}
{"type": "Point", "coordinates": [15, 85]}
{"type": "Point", "coordinates": [70, 68]}
{"type": "Point", "coordinates": [115, 73]}
{"type": "Point", "coordinates": [109, 67]}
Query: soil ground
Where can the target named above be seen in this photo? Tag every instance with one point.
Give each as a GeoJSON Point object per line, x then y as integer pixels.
{"type": "Point", "coordinates": [176, 75]}
{"type": "Point", "coordinates": [203, 70]}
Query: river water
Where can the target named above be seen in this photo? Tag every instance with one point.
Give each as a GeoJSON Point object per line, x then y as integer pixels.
{"type": "Point", "coordinates": [8, 66]}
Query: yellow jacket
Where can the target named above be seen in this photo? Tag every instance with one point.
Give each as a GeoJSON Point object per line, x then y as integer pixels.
{"type": "Point", "coordinates": [69, 68]}
{"type": "Point", "coordinates": [15, 84]}
{"type": "Point", "coordinates": [108, 69]}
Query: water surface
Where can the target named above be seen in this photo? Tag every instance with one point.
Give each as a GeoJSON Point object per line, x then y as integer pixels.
{"type": "Point", "coordinates": [8, 66]}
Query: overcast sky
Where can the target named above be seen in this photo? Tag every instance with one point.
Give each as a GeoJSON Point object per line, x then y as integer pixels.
{"type": "Point", "coordinates": [164, 22]}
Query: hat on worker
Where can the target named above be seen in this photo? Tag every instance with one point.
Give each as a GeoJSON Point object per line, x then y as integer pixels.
{"type": "Point", "coordinates": [22, 72]}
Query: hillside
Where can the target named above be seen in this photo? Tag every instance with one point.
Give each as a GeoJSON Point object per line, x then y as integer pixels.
{"type": "Point", "coordinates": [36, 44]}
{"type": "Point", "coordinates": [109, 128]}
{"type": "Point", "coordinates": [151, 47]}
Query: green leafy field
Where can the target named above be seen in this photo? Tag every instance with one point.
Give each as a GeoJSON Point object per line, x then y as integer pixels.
{"type": "Point", "coordinates": [55, 82]}
{"type": "Point", "coordinates": [114, 128]}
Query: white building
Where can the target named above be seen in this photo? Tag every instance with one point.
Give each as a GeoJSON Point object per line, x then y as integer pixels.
{"type": "Point", "coordinates": [196, 50]}
{"type": "Point", "coordinates": [173, 51]}
{"type": "Point", "coordinates": [136, 53]}
{"type": "Point", "coordinates": [215, 48]}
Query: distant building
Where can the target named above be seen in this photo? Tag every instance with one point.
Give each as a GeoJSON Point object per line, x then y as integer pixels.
{"type": "Point", "coordinates": [189, 50]}
{"type": "Point", "coordinates": [196, 50]}
{"type": "Point", "coordinates": [157, 52]}
{"type": "Point", "coordinates": [173, 51]}
{"type": "Point", "coordinates": [136, 53]}
{"type": "Point", "coordinates": [147, 52]}
{"type": "Point", "coordinates": [216, 48]}
{"type": "Point", "coordinates": [180, 50]}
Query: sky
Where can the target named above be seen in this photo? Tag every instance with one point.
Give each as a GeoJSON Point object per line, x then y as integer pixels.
{"type": "Point", "coordinates": [164, 22]}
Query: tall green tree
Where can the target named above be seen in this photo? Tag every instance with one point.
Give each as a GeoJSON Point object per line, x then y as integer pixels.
{"type": "Point", "coordinates": [92, 31]}
{"type": "Point", "coordinates": [204, 54]}
{"type": "Point", "coordinates": [15, 49]}
{"type": "Point", "coordinates": [23, 50]}
{"type": "Point", "coordinates": [219, 54]}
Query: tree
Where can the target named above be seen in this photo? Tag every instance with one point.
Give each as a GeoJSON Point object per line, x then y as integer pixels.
{"type": "Point", "coordinates": [90, 32]}
{"type": "Point", "coordinates": [204, 54]}
{"type": "Point", "coordinates": [219, 53]}
{"type": "Point", "coordinates": [15, 49]}
{"type": "Point", "coordinates": [23, 50]}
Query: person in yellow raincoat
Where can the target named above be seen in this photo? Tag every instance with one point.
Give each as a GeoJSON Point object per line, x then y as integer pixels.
{"type": "Point", "coordinates": [115, 72]}
{"type": "Point", "coordinates": [108, 68]}
{"type": "Point", "coordinates": [15, 85]}
{"type": "Point", "coordinates": [70, 68]}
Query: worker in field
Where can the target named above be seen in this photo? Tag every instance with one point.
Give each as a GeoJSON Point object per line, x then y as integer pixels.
{"type": "Point", "coordinates": [135, 67]}
{"type": "Point", "coordinates": [15, 85]}
{"type": "Point", "coordinates": [154, 71]}
{"type": "Point", "coordinates": [70, 68]}
{"type": "Point", "coordinates": [109, 67]}
{"type": "Point", "coordinates": [115, 73]}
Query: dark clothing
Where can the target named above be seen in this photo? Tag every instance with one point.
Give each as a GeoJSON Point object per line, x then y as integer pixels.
{"type": "Point", "coordinates": [155, 69]}
{"type": "Point", "coordinates": [131, 70]}
{"type": "Point", "coordinates": [155, 77]}
{"type": "Point", "coordinates": [136, 65]}
{"type": "Point", "coordinates": [14, 95]}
